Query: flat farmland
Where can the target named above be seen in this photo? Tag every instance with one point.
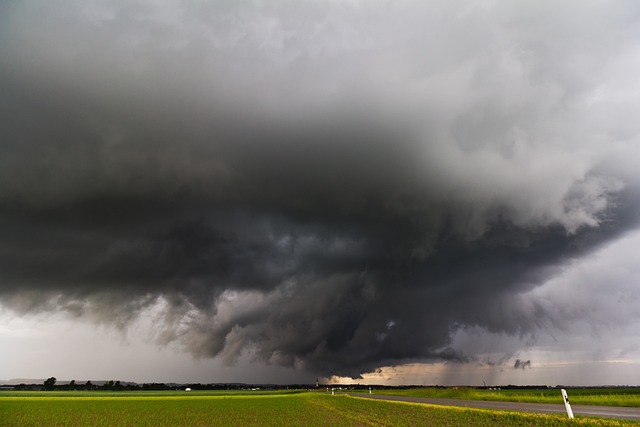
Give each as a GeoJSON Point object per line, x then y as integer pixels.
{"type": "Point", "coordinates": [249, 409]}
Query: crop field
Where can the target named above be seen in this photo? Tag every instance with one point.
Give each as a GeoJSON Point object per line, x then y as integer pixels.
{"type": "Point", "coordinates": [595, 396]}
{"type": "Point", "coordinates": [249, 409]}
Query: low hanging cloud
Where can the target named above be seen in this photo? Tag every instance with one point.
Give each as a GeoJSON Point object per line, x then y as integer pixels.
{"type": "Point", "coordinates": [334, 186]}
{"type": "Point", "coordinates": [522, 364]}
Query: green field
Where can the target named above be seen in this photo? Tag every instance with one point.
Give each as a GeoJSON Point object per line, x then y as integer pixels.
{"type": "Point", "coordinates": [249, 408]}
{"type": "Point", "coordinates": [595, 396]}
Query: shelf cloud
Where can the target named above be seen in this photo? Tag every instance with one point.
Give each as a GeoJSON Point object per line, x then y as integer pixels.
{"type": "Point", "coordinates": [335, 186]}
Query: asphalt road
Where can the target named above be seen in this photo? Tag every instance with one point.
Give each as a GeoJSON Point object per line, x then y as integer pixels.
{"type": "Point", "coordinates": [618, 412]}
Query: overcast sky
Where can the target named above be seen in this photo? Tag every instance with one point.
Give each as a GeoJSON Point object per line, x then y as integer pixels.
{"type": "Point", "coordinates": [274, 191]}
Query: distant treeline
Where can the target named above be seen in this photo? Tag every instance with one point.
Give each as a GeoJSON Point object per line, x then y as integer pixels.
{"type": "Point", "coordinates": [50, 385]}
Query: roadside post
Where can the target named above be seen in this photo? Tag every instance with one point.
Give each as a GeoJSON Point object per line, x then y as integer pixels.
{"type": "Point", "coordinates": [567, 405]}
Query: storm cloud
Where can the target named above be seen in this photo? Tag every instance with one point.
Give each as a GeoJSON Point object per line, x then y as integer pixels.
{"type": "Point", "coordinates": [521, 364]}
{"type": "Point", "coordinates": [335, 186]}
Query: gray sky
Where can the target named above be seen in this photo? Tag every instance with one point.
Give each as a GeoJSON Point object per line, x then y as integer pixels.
{"type": "Point", "coordinates": [273, 191]}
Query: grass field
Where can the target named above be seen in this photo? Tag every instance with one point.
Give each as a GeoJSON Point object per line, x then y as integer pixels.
{"type": "Point", "coordinates": [248, 409]}
{"type": "Point", "coordinates": [596, 396]}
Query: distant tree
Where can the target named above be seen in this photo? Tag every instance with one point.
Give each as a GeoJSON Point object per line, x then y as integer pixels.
{"type": "Point", "coordinates": [50, 383]}
{"type": "Point", "coordinates": [72, 384]}
{"type": "Point", "coordinates": [88, 385]}
{"type": "Point", "coordinates": [117, 385]}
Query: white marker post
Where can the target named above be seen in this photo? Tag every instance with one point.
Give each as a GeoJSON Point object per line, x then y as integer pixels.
{"type": "Point", "coordinates": [567, 405]}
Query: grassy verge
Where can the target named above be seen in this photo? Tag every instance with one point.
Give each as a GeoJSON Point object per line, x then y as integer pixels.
{"type": "Point", "coordinates": [411, 414]}
{"type": "Point", "coordinates": [215, 409]}
{"type": "Point", "coordinates": [605, 397]}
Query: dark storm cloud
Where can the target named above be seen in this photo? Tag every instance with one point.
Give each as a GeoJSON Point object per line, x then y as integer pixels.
{"type": "Point", "coordinates": [522, 364]}
{"type": "Point", "coordinates": [335, 186]}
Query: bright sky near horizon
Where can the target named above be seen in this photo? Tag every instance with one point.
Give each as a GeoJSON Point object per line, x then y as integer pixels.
{"type": "Point", "coordinates": [416, 192]}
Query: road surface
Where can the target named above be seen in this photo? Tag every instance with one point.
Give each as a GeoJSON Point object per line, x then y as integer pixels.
{"type": "Point", "coordinates": [618, 412]}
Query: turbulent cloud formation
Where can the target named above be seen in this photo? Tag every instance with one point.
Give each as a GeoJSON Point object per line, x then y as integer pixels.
{"type": "Point", "coordinates": [521, 364]}
{"type": "Point", "coordinates": [336, 186]}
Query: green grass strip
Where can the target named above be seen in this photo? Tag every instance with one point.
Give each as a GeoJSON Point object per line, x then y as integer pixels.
{"type": "Point", "coordinates": [301, 409]}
